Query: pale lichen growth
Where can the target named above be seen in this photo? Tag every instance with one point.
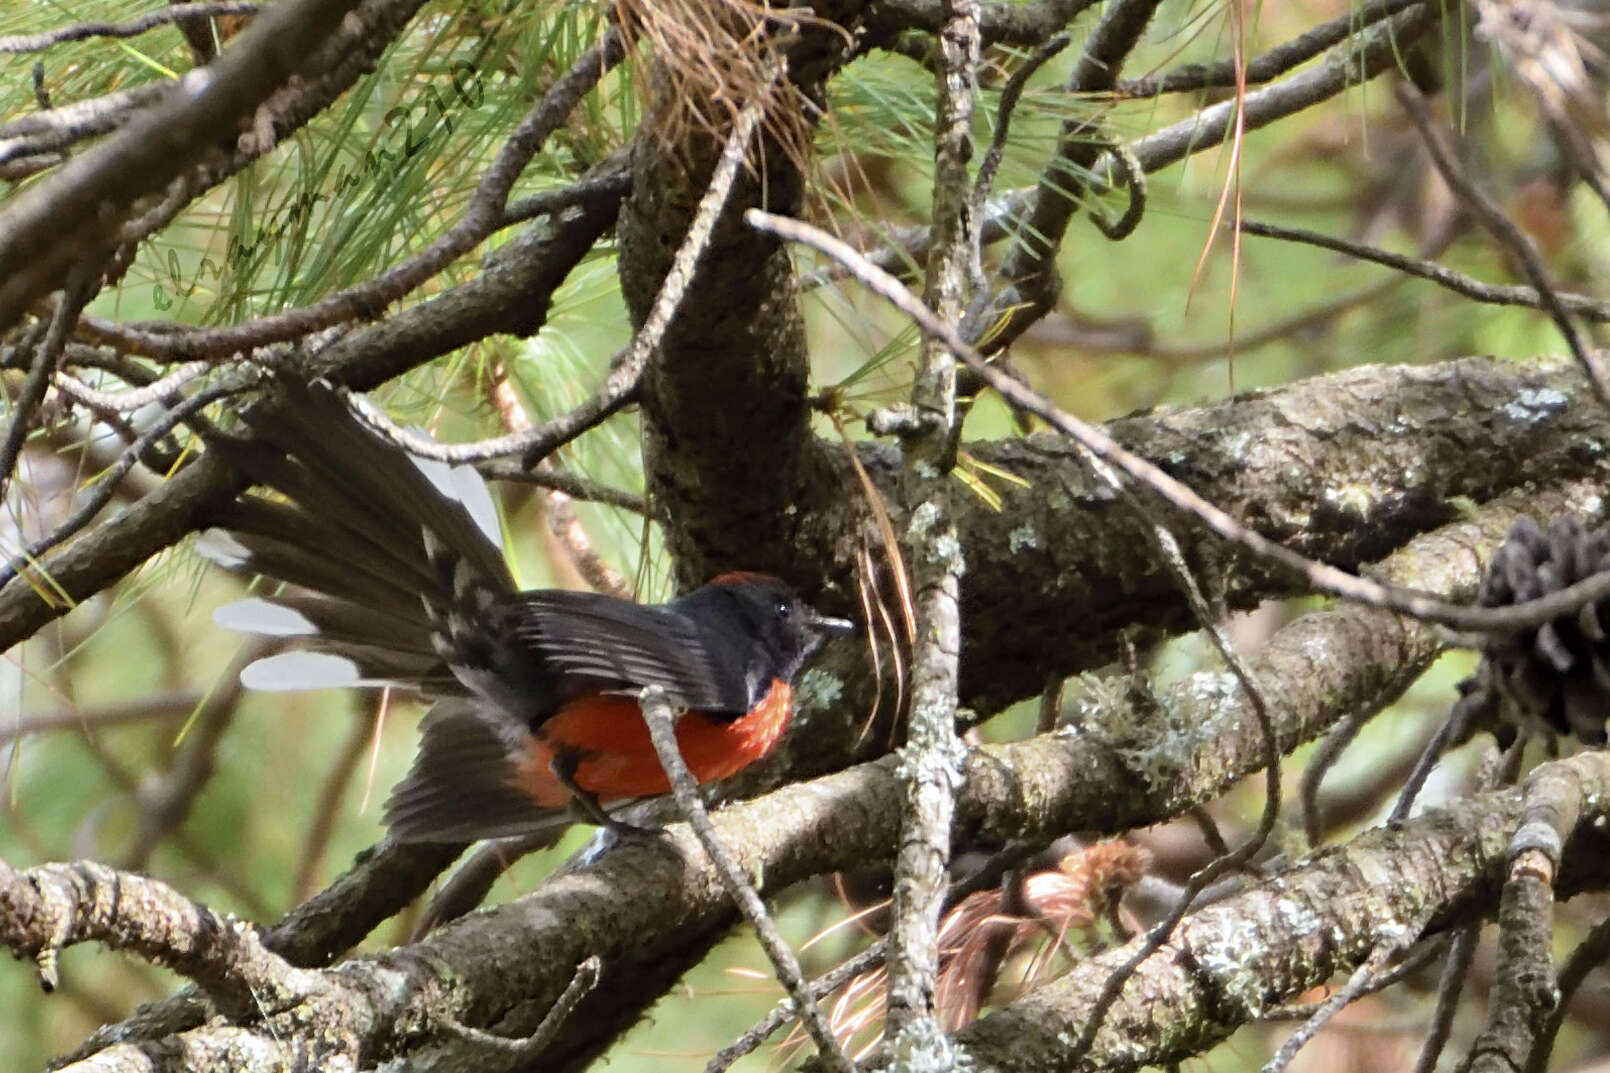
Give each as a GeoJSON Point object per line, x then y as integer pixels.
{"type": "Point", "coordinates": [924, 518]}
{"type": "Point", "coordinates": [922, 1048]}
{"type": "Point", "coordinates": [1159, 745]}
{"type": "Point", "coordinates": [817, 689]}
{"type": "Point", "coordinates": [1022, 537]}
{"type": "Point", "coordinates": [1351, 500]}
{"type": "Point", "coordinates": [1232, 961]}
{"type": "Point", "coordinates": [1534, 405]}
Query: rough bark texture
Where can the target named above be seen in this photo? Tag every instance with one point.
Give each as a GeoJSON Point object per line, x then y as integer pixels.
{"type": "Point", "coordinates": [1231, 961]}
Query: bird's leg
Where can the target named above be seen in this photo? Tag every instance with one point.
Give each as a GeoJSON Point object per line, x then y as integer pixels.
{"type": "Point", "coordinates": [586, 803]}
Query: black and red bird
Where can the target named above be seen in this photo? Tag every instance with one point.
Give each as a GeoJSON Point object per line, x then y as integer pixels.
{"type": "Point", "coordinates": [397, 577]}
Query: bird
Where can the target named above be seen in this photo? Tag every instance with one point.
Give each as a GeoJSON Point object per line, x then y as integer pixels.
{"type": "Point", "coordinates": [394, 574]}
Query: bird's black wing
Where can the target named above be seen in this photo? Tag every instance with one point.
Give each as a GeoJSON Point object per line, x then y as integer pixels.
{"type": "Point", "coordinates": [592, 643]}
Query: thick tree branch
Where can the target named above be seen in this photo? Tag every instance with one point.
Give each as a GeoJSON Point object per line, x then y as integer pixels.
{"type": "Point", "coordinates": [46, 909]}
{"type": "Point", "coordinates": [1231, 961]}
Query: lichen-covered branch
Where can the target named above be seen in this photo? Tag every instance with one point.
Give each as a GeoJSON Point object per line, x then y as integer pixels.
{"type": "Point", "coordinates": [46, 909]}
{"type": "Point", "coordinates": [1229, 962]}
{"type": "Point", "coordinates": [931, 758]}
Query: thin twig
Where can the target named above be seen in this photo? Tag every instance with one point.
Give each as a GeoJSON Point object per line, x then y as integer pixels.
{"type": "Point", "coordinates": [571, 485]}
{"type": "Point", "coordinates": [1357, 984]}
{"type": "Point", "coordinates": [564, 524]}
{"type": "Point", "coordinates": [523, 1049]}
{"type": "Point", "coordinates": [620, 388]}
{"type": "Point", "coordinates": [1268, 65]}
{"type": "Point", "coordinates": [1330, 750]}
{"type": "Point", "coordinates": [1030, 264]}
{"type": "Point", "coordinates": [122, 402]}
{"type": "Point", "coordinates": [1223, 865]}
{"type": "Point", "coordinates": [1319, 576]}
{"type": "Point", "coordinates": [133, 28]}
{"type": "Point", "coordinates": [1589, 954]}
{"type": "Point", "coordinates": [662, 728]}
{"type": "Point", "coordinates": [984, 181]}
{"type": "Point", "coordinates": [1502, 228]}
{"type": "Point", "coordinates": [610, 186]}
{"type": "Point", "coordinates": [106, 487]}
{"type": "Point", "coordinates": [1552, 803]}
{"type": "Point", "coordinates": [1583, 305]}
{"type": "Point", "coordinates": [1460, 953]}
{"type": "Point", "coordinates": [1418, 957]}
{"type": "Point", "coordinates": [158, 706]}
{"type": "Point", "coordinates": [41, 371]}
{"type": "Point", "coordinates": [334, 786]}
{"type": "Point", "coordinates": [40, 132]}
{"type": "Point", "coordinates": [987, 875]}
{"type": "Point", "coordinates": [1451, 726]}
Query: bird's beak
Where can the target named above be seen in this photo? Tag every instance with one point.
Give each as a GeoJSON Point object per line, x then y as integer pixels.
{"type": "Point", "coordinates": [824, 624]}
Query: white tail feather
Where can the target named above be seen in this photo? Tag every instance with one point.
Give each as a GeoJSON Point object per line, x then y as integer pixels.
{"type": "Point", "coordinates": [304, 670]}
{"type": "Point", "coordinates": [221, 547]}
{"type": "Point", "coordinates": [260, 616]}
{"type": "Point", "coordinates": [464, 486]}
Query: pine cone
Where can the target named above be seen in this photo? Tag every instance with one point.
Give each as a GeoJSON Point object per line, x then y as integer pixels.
{"type": "Point", "coordinates": [1558, 675]}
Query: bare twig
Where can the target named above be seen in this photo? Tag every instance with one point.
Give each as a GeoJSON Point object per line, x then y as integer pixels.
{"type": "Point", "coordinates": [526, 1048]}
{"type": "Point", "coordinates": [1449, 986]}
{"type": "Point", "coordinates": [158, 706]}
{"type": "Point", "coordinates": [560, 512]}
{"type": "Point", "coordinates": [571, 485]}
{"type": "Point", "coordinates": [1524, 991]}
{"type": "Point", "coordinates": [1357, 984]}
{"type": "Point", "coordinates": [471, 881]}
{"type": "Point", "coordinates": [987, 875]}
{"type": "Point", "coordinates": [1361, 57]}
{"type": "Point", "coordinates": [47, 356]}
{"type": "Point", "coordinates": [620, 388]}
{"type": "Point", "coordinates": [610, 186]}
{"type": "Point", "coordinates": [1030, 264]}
{"type": "Point", "coordinates": [1423, 268]}
{"type": "Point", "coordinates": [662, 728]}
{"type": "Point", "coordinates": [163, 390]}
{"type": "Point", "coordinates": [1330, 750]}
{"type": "Point", "coordinates": [984, 181]}
{"type": "Point", "coordinates": [334, 786]}
{"type": "Point", "coordinates": [1589, 954]}
{"type": "Point", "coordinates": [1502, 228]}
{"type": "Point", "coordinates": [55, 226]}
{"type": "Point", "coordinates": [1229, 862]}
{"type": "Point", "coordinates": [133, 28]}
{"type": "Point", "coordinates": [1268, 65]}
{"type": "Point", "coordinates": [1452, 728]}
{"type": "Point", "coordinates": [107, 485]}
{"type": "Point", "coordinates": [58, 128]}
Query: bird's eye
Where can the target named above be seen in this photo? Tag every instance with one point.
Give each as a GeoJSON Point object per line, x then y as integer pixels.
{"type": "Point", "coordinates": [784, 609]}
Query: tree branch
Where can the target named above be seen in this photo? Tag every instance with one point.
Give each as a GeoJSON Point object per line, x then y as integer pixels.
{"type": "Point", "coordinates": [1230, 961]}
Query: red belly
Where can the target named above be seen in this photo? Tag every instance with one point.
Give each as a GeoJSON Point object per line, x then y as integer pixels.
{"type": "Point", "coordinates": [617, 757]}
